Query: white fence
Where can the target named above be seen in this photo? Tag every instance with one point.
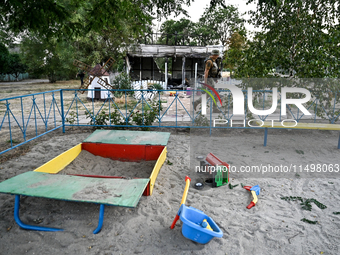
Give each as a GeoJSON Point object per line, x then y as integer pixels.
{"type": "Point", "coordinates": [143, 85]}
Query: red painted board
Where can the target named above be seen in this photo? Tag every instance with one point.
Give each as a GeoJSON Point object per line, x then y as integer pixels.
{"type": "Point", "coordinates": [147, 190]}
{"type": "Point", "coordinates": [124, 152]}
{"type": "Point", "coordinates": [213, 160]}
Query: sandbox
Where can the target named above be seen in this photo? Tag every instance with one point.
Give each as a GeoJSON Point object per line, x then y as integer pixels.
{"type": "Point", "coordinates": [131, 146]}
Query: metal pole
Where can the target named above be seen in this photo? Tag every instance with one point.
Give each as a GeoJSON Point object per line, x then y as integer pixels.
{"type": "Point", "coordinates": [62, 110]}
{"type": "Point", "coordinates": [196, 76]}
{"type": "Point", "coordinates": [183, 71]}
{"type": "Point", "coordinates": [140, 68]}
{"type": "Point", "coordinates": [166, 74]}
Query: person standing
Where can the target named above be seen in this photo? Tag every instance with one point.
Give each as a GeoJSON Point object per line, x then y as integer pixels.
{"type": "Point", "coordinates": [211, 73]}
{"type": "Point", "coordinates": [81, 75]}
{"type": "Point", "coordinates": [212, 70]}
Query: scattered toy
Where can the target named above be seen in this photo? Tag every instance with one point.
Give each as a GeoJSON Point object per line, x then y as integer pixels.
{"type": "Point", "coordinates": [255, 191]}
{"type": "Point", "coordinates": [305, 202]}
{"type": "Point", "coordinates": [217, 168]}
{"type": "Point", "coordinates": [199, 185]}
{"type": "Point", "coordinates": [309, 221]}
{"type": "Point", "coordinates": [232, 186]}
{"type": "Point", "coordinates": [196, 226]}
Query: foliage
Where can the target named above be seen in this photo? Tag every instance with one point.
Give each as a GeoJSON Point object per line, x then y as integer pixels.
{"type": "Point", "coordinates": [221, 23]}
{"type": "Point", "coordinates": [298, 39]}
{"type": "Point", "coordinates": [148, 115]}
{"type": "Point", "coordinates": [48, 57]}
{"type": "Point", "coordinates": [236, 46]}
{"type": "Point", "coordinates": [156, 86]}
{"type": "Point", "coordinates": [15, 65]}
{"type": "Point", "coordinates": [177, 32]}
{"type": "Point", "coordinates": [214, 27]}
{"type": "Point", "coordinates": [73, 17]}
{"type": "Point", "coordinates": [72, 117]}
{"type": "Point", "coordinates": [45, 16]}
{"type": "Point", "coordinates": [202, 121]}
{"type": "Point", "coordinates": [4, 56]}
{"type": "Point", "coordinates": [141, 118]}
{"type": "Point", "coordinates": [88, 30]}
{"type": "Point", "coordinates": [117, 119]}
{"type": "Point", "coordinates": [122, 82]}
{"type": "Point", "coordinates": [99, 120]}
{"type": "Point", "coordinates": [103, 118]}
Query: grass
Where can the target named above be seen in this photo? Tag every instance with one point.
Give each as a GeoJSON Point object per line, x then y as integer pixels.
{"type": "Point", "coordinates": [13, 141]}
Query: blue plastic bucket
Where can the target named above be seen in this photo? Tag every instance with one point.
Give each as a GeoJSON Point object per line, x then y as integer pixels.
{"type": "Point", "coordinates": [192, 219]}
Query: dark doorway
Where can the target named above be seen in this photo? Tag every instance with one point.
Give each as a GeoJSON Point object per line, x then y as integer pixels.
{"type": "Point", "coordinates": [97, 93]}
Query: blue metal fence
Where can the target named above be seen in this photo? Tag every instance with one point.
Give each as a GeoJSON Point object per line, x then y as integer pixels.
{"type": "Point", "coordinates": [24, 118]}
{"type": "Point", "coordinates": [28, 117]}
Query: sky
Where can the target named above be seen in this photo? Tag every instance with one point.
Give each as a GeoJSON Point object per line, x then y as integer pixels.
{"type": "Point", "coordinates": [197, 7]}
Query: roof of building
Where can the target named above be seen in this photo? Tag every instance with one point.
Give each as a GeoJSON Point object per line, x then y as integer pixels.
{"type": "Point", "coordinates": [98, 71]}
{"type": "Point", "coordinates": [144, 50]}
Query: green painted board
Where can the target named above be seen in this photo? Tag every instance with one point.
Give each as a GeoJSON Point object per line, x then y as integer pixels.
{"type": "Point", "coordinates": [128, 137]}
{"type": "Point", "coordinates": [118, 192]}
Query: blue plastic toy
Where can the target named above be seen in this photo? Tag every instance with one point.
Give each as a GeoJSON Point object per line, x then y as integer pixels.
{"type": "Point", "coordinates": [192, 229]}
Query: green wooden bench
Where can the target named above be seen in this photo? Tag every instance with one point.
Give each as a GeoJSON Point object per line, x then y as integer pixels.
{"type": "Point", "coordinates": [318, 126]}
{"type": "Point", "coordinates": [103, 191]}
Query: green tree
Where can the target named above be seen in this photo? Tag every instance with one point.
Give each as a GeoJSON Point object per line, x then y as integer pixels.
{"type": "Point", "coordinates": [50, 58]}
{"type": "Point", "coordinates": [233, 56]}
{"type": "Point", "coordinates": [57, 31]}
{"type": "Point", "coordinates": [61, 17]}
{"type": "Point", "coordinates": [298, 38]}
{"type": "Point", "coordinates": [15, 66]}
{"type": "Point", "coordinates": [177, 32]}
{"type": "Point", "coordinates": [221, 23]}
{"type": "Point", "coordinates": [33, 53]}
{"type": "Point", "coordinates": [47, 17]}
{"type": "Point", "coordinates": [4, 56]}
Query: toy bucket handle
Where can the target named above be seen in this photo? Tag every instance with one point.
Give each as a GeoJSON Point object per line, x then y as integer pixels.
{"type": "Point", "coordinates": [184, 198]}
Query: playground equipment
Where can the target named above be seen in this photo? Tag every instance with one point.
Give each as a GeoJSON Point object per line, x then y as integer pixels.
{"type": "Point", "coordinates": [219, 172]}
{"type": "Point", "coordinates": [255, 191]}
{"type": "Point", "coordinates": [87, 69]}
{"type": "Point", "coordinates": [173, 93]}
{"type": "Point", "coordinates": [115, 144]}
{"type": "Point", "coordinates": [196, 226]}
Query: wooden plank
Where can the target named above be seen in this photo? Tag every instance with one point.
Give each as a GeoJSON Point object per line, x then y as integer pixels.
{"type": "Point", "coordinates": [118, 192]}
{"type": "Point", "coordinates": [129, 137]}
{"type": "Point", "coordinates": [318, 126]}
{"type": "Point", "coordinates": [124, 152]}
{"type": "Point", "coordinates": [60, 162]}
{"type": "Point", "coordinates": [156, 169]}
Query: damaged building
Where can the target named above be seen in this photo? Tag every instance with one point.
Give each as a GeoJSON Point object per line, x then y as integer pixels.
{"type": "Point", "coordinates": [180, 62]}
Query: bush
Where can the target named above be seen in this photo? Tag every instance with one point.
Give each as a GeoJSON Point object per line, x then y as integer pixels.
{"type": "Point", "coordinates": [141, 118]}
{"type": "Point", "coordinates": [122, 81]}
{"type": "Point", "coordinates": [148, 116]}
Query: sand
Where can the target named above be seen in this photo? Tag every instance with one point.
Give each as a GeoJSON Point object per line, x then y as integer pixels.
{"type": "Point", "coordinates": [273, 226]}
{"type": "Point", "coordinates": [88, 164]}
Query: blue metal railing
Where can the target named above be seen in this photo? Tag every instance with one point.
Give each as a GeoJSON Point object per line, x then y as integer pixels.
{"type": "Point", "coordinates": [25, 118]}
